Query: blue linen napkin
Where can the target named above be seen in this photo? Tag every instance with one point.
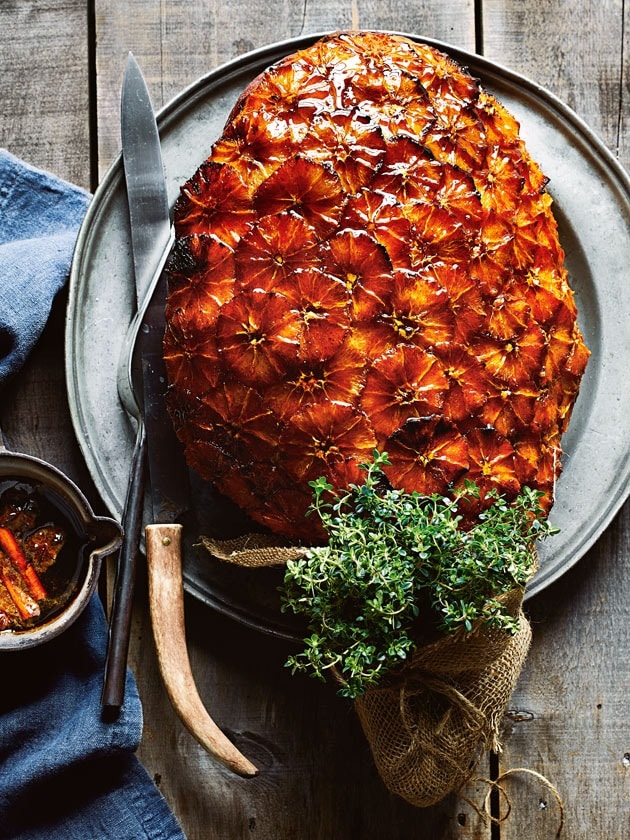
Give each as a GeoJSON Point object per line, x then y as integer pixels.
{"type": "Point", "coordinates": [39, 220]}
{"type": "Point", "coordinates": [65, 772]}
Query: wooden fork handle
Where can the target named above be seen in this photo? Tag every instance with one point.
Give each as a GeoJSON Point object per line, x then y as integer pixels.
{"type": "Point", "coordinates": [166, 601]}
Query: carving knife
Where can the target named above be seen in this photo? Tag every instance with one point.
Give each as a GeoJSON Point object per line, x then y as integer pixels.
{"type": "Point", "coordinates": [152, 237]}
{"type": "Point", "coordinates": [170, 502]}
{"type": "Point", "coordinates": [142, 390]}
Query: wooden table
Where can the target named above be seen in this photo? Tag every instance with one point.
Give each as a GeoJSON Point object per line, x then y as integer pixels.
{"type": "Point", "coordinates": [61, 64]}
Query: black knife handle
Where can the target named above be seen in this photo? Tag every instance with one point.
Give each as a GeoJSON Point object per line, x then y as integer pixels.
{"type": "Point", "coordinates": [113, 693]}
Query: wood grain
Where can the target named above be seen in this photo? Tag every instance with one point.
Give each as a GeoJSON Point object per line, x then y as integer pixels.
{"type": "Point", "coordinates": [317, 778]}
{"type": "Point", "coordinates": [45, 96]}
{"type": "Point", "coordinates": [580, 51]}
{"type": "Point", "coordinates": [177, 42]}
{"type": "Point", "coordinates": [569, 717]}
{"type": "Point", "coordinates": [44, 85]}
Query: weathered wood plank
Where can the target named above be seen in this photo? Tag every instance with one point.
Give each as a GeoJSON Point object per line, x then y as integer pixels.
{"type": "Point", "coordinates": [579, 51]}
{"type": "Point", "coordinates": [44, 85]}
{"type": "Point", "coordinates": [317, 777]}
{"type": "Point", "coordinates": [569, 718]}
{"type": "Point", "coordinates": [176, 42]}
{"type": "Point", "coordinates": [44, 90]}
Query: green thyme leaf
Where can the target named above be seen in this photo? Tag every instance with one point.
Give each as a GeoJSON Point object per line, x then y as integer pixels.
{"type": "Point", "coordinates": [399, 570]}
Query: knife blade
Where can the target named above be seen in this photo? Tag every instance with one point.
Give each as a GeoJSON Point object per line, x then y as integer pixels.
{"type": "Point", "coordinates": [152, 237]}
{"type": "Point", "coordinates": [147, 197]}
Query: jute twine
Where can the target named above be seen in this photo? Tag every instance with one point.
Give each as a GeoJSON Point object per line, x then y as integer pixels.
{"type": "Point", "coordinates": [496, 785]}
{"type": "Point", "coordinates": [428, 727]}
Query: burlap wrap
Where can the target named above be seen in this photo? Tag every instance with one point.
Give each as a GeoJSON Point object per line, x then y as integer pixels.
{"type": "Point", "coordinates": [428, 727]}
{"type": "Point", "coordinates": [253, 550]}
{"type": "Point", "coordinates": [428, 730]}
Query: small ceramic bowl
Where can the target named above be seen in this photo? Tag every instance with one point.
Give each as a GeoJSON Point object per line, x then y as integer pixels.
{"type": "Point", "coordinates": [89, 539]}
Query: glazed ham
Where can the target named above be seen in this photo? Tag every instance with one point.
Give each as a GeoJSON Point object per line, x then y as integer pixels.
{"type": "Point", "coordinates": [368, 260]}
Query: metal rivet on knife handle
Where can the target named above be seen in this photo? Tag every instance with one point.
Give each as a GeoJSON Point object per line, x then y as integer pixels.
{"type": "Point", "coordinates": [166, 599]}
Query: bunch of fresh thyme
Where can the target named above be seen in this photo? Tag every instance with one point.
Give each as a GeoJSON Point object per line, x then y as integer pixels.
{"type": "Point", "coordinates": [394, 560]}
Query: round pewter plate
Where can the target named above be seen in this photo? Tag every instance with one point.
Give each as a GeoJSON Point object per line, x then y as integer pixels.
{"type": "Point", "coordinates": [591, 195]}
